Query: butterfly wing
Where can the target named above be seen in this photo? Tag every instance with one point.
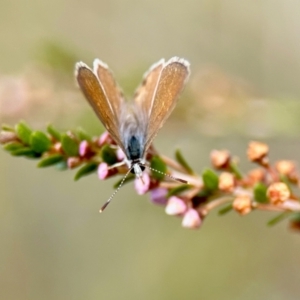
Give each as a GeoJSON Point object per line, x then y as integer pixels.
{"type": "Point", "coordinates": [111, 89]}
{"type": "Point", "coordinates": [145, 93]}
{"type": "Point", "coordinates": [94, 92]}
{"type": "Point", "coordinates": [165, 81]}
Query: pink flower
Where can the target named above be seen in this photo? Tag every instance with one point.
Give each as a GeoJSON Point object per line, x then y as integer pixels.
{"type": "Point", "coordinates": [73, 162]}
{"type": "Point", "coordinates": [84, 148]}
{"type": "Point", "coordinates": [103, 171]}
{"type": "Point", "coordinates": [175, 206]}
{"type": "Point", "coordinates": [57, 147]}
{"type": "Point", "coordinates": [120, 154]}
{"type": "Point", "coordinates": [158, 196]}
{"type": "Point", "coordinates": [191, 219]}
{"type": "Point", "coordinates": [105, 138]}
{"type": "Point", "coordinates": [7, 136]}
{"type": "Point", "coordinates": [142, 184]}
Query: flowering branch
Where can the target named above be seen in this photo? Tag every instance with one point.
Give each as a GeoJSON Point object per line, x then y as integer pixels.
{"type": "Point", "coordinates": [267, 187]}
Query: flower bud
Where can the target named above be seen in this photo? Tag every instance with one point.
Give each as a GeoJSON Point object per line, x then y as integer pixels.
{"type": "Point", "coordinates": [120, 154]}
{"type": "Point", "coordinates": [84, 148]}
{"type": "Point", "coordinates": [142, 184]}
{"type": "Point", "coordinates": [58, 147]}
{"type": "Point", "coordinates": [285, 167]}
{"type": "Point", "coordinates": [175, 206]}
{"type": "Point", "coordinates": [256, 175]}
{"type": "Point", "coordinates": [73, 162]}
{"type": "Point", "coordinates": [257, 152]}
{"type": "Point", "coordinates": [242, 204]}
{"type": "Point", "coordinates": [278, 193]}
{"type": "Point", "coordinates": [104, 171]}
{"type": "Point", "coordinates": [7, 136]}
{"type": "Point", "coordinates": [105, 138]}
{"type": "Point", "coordinates": [159, 195]}
{"type": "Point", "coordinates": [226, 182]}
{"type": "Point", "coordinates": [191, 219]}
{"type": "Point", "coordinates": [220, 159]}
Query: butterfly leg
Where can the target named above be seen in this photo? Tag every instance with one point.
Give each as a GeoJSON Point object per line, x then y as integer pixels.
{"type": "Point", "coordinates": [116, 165]}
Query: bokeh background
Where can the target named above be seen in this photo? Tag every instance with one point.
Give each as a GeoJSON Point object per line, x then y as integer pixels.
{"type": "Point", "coordinates": [245, 60]}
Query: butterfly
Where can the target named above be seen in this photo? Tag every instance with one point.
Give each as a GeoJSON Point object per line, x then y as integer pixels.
{"type": "Point", "coordinates": [133, 124]}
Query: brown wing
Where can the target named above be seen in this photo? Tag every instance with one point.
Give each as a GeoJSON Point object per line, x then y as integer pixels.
{"type": "Point", "coordinates": [170, 83]}
{"type": "Point", "coordinates": [111, 89]}
{"type": "Point", "coordinates": [144, 95]}
{"type": "Point", "coordinates": [94, 93]}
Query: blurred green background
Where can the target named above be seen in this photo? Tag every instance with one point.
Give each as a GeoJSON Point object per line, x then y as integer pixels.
{"type": "Point", "coordinates": [245, 61]}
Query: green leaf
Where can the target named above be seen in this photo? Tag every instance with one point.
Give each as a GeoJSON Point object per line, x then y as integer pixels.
{"type": "Point", "coordinates": [278, 218]}
{"type": "Point", "coordinates": [69, 145]}
{"type": "Point", "coordinates": [210, 180]}
{"type": "Point", "coordinates": [181, 160]}
{"type": "Point", "coordinates": [108, 155]}
{"type": "Point", "coordinates": [23, 132]}
{"type": "Point", "coordinates": [39, 142]}
{"type": "Point", "coordinates": [225, 209]}
{"type": "Point", "coordinates": [86, 170]}
{"type": "Point", "coordinates": [287, 181]}
{"type": "Point", "coordinates": [234, 169]}
{"type": "Point", "coordinates": [129, 178]}
{"type": "Point", "coordinates": [53, 132]}
{"type": "Point", "coordinates": [204, 194]}
{"type": "Point", "coordinates": [260, 193]}
{"type": "Point", "coordinates": [82, 135]}
{"type": "Point", "coordinates": [6, 127]}
{"type": "Point", "coordinates": [25, 151]}
{"type": "Point", "coordinates": [158, 164]}
{"type": "Point", "coordinates": [12, 146]}
{"type": "Point", "coordinates": [50, 160]}
{"type": "Point", "coordinates": [178, 189]}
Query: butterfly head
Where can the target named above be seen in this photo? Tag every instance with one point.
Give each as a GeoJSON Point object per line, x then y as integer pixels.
{"type": "Point", "coordinates": [137, 167]}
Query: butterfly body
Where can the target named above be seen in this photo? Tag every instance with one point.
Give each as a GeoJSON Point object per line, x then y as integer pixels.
{"type": "Point", "coordinates": [133, 132]}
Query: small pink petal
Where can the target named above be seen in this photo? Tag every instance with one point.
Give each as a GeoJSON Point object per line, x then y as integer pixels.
{"type": "Point", "coordinates": [175, 206]}
{"type": "Point", "coordinates": [7, 136]}
{"type": "Point", "coordinates": [84, 148]}
{"type": "Point", "coordinates": [57, 147]}
{"type": "Point", "coordinates": [103, 171]}
{"type": "Point", "coordinates": [158, 196]}
{"type": "Point", "coordinates": [191, 219]}
{"type": "Point", "coordinates": [142, 184]}
{"type": "Point", "coordinates": [104, 138]}
{"type": "Point", "coordinates": [120, 154]}
{"type": "Point", "coordinates": [73, 162]}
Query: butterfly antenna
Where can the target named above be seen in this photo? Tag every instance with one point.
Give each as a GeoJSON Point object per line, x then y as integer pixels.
{"type": "Point", "coordinates": [115, 192]}
{"type": "Point", "coordinates": [170, 176]}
